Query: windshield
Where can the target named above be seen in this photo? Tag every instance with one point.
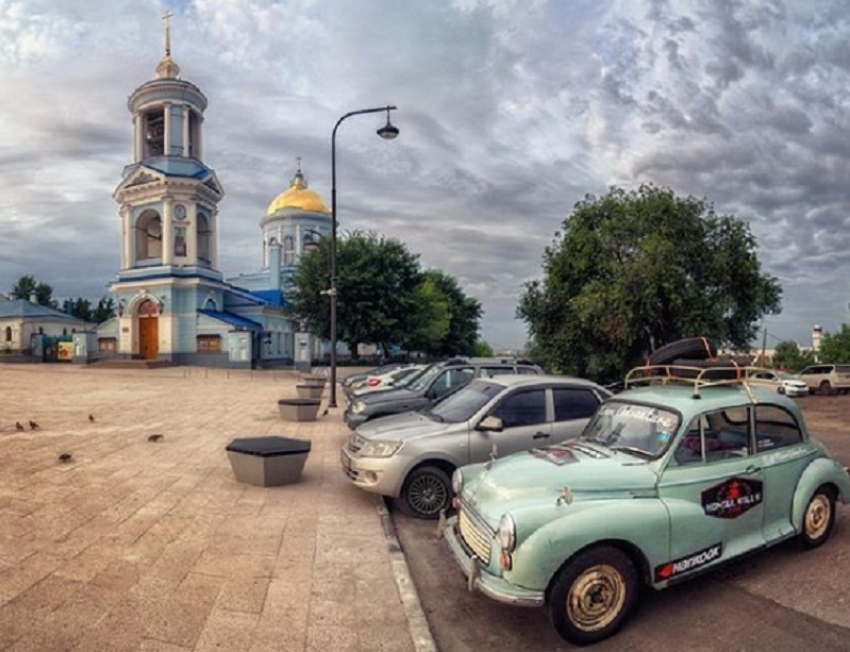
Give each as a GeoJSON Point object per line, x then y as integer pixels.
{"type": "Point", "coordinates": [641, 430]}
{"type": "Point", "coordinates": [464, 403]}
{"type": "Point", "coordinates": [422, 382]}
{"type": "Point", "coordinates": [407, 376]}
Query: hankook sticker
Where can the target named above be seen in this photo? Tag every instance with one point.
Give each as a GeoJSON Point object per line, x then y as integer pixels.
{"type": "Point", "coordinates": [732, 498]}
{"type": "Point", "coordinates": [685, 564]}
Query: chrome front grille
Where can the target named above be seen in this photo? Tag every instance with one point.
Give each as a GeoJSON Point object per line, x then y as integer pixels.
{"type": "Point", "coordinates": [475, 536]}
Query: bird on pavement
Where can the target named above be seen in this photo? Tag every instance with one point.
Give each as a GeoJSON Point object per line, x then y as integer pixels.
{"type": "Point", "coordinates": [18, 426]}
{"type": "Point", "coordinates": [34, 425]}
{"type": "Point", "coordinates": [156, 437]}
{"type": "Point", "coordinates": [66, 457]}
{"type": "Point", "coordinates": [91, 418]}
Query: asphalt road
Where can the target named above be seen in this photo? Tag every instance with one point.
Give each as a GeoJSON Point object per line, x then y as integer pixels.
{"type": "Point", "coordinates": [780, 599]}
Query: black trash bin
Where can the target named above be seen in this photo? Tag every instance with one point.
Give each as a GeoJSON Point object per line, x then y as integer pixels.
{"type": "Point", "coordinates": [268, 461]}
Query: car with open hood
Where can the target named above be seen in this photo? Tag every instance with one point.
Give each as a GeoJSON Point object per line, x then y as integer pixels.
{"type": "Point", "coordinates": [669, 479]}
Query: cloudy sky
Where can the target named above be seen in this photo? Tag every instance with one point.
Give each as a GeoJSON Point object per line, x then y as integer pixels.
{"type": "Point", "coordinates": [510, 111]}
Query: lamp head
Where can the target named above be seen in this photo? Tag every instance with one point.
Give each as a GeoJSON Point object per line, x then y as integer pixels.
{"type": "Point", "coordinates": [389, 130]}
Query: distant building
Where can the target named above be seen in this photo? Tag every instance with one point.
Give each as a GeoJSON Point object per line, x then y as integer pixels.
{"type": "Point", "coordinates": [173, 303]}
{"type": "Point", "coordinates": [28, 327]}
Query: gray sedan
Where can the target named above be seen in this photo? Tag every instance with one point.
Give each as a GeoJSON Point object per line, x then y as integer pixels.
{"type": "Point", "coordinates": [411, 456]}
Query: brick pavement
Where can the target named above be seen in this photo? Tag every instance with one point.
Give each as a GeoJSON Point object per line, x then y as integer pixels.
{"type": "Point", "coordinates": [135, 545]}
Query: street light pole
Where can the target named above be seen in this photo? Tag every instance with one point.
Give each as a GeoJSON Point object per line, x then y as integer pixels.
{"type": "Point", "coordinates": [387, 132]}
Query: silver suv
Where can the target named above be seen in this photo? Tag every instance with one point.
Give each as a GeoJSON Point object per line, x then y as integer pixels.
{"type": "Point", "coordinates": [412, 456]}
{"type": "Point", "coordinates": [827, 378]}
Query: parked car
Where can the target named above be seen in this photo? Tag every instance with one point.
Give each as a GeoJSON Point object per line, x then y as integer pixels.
{"type": "Point", "coordinates": [395, 379]}
{"type": "Point", "coordinates": [411, 456]}
{"type": "Point", "coordinates": [437, 381]}
{"type": "Point", "coordinates": [781, 381]}
{"type": "Point", "coordinates": [827, 378]}
{"type": "Point", "coordinates": [665, 482]}
{"type": "Point", "coordinates": [351, 379]}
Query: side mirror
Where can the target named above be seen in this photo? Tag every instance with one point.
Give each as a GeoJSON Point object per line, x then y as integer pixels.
{"type": "Point", "coordinates": [490, 424]}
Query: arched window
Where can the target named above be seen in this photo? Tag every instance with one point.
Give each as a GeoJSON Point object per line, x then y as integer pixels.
{"type": "Point", "coordinates": [8, 333]}
{"type": "Point", "coordinates": [210, 304]}
{"type": "Point", "coordinates": [288, 250]}
{"type": "Point", "coordinates": [154, 126]}
{"type": "Point", "coordinates": [204, 238]}
{"type": "Point", "coordinates": [148, 235]}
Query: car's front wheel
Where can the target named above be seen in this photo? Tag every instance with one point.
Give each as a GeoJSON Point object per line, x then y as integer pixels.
{"type": "Point", "coordinates": [593, 595]}
{"type": "Point", "coordinates": [826, 388]}
{"type": "Point", "coordinates": [819, 518]}
{"type": "Point", "coordinates": [426, 492]}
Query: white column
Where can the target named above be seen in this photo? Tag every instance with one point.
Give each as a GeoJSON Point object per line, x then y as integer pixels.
{"type": "Point", "coordinates": [167, 117]}
{"type": "Point", "coordinates": [168, 230]}
{"type": "Point", "coordinates": [199, 149]}
{"type": "Point", "coordinates": [192, 233]}
{"type": "Point", "coordinates": [138, 138]}
{"type": "Point", "coordinates": [214, 239]}
{"type": "Point", "coordinates": [128, 253]}
{"type": "Point", "coordinates": [186, 113]}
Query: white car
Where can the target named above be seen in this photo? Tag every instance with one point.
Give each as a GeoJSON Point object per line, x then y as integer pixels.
{"type": "Point", "coordinates": [783, 382]}
{"type": "Point", "coordinates": [393, 378]}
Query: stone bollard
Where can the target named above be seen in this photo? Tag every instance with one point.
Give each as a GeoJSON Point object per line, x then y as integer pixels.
{"type": "Point", "coordinates": [299, 409]}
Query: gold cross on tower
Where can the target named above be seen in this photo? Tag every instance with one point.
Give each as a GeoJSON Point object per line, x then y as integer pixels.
{"type": "Point", "coordinates": [167, 18]}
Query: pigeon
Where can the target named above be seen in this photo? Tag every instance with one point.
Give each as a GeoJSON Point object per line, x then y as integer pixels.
{"type": "Point", "coordinates": [156, 437]}
{"type": "Point", "coordinates": [34, 425]}
{"type": "Point", "coordinates": [66, 457]}
{"type": "Point", "coordinates": [91, 418]}
{"type": "Point", "coordinates": [18, 426]}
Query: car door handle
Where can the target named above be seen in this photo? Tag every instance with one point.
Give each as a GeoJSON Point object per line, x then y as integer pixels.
{"type": "Point", "coordinates": [541, 435]}
{"type": "Point", "coordinates": [752, 469]}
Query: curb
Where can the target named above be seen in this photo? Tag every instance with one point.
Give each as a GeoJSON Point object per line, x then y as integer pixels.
{"type": "Point", "coordinates": [420, 632]}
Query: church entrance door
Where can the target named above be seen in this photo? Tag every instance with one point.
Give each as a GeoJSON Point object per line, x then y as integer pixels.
{"type": "Point", "coordinates": [148, 331]}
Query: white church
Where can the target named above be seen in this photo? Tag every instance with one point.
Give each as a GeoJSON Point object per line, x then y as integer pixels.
{"type": "Point", "coordinates": [173, 304]}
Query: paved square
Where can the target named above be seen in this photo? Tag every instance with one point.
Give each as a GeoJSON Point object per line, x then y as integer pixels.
{"type": "Point", "coordinates": [153, 546]}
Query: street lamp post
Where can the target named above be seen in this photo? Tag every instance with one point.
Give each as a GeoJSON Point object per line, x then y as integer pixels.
{"type": "Point", "coordinates": [387, 132]}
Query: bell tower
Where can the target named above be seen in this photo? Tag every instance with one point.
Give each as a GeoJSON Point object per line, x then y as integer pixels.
{"type": "Point", "coordinates": [168, 201]}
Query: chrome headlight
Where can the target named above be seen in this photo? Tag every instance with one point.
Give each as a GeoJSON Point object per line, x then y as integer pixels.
{"type": "Point", "coordinates": [506, 533]}
{"type": "Point", "coordinates": [374, 448]}
{"type": "Point", "coordinates": [457, 482]}
{"type": "Point", "coordinates": [358, 407]}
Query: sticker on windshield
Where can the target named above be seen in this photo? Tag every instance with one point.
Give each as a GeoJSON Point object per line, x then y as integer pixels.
{"type": "Point", "coordinates": [665, 436]}
{"type": "Point", "coordinates": [664, 420]}
{"type": "Point", "coordinates": [732, 498]}
{"type": "Point", "coordinates": [558, 456]}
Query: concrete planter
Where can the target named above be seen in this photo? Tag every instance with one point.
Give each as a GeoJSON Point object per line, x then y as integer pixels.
{"type": "Point", "coordinates": [314, 380]}
{"type": "Point", "coordinates": [268, 461]}
{"type": "Point", "coordinates": [299, 409]}
{"type": "Point", "coordinates": [310, 390]}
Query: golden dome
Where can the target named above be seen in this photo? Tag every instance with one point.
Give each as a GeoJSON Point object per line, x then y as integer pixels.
{"type": "Point", "coordinates": [298, 195]}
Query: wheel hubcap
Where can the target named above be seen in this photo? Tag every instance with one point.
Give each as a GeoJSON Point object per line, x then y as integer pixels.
{"type": "Point", "coordinates": [596, 598]}
{"type": "Point", "coordinates": [817, 516]}
{"type": "Point", "coordinates": [427, 495]}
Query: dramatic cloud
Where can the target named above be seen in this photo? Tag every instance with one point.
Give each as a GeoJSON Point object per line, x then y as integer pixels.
{"type": "Point", "coordinates": [509, 112]}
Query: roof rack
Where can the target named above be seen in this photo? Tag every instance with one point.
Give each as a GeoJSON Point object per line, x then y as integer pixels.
{"type": "Point", "coordinates": [699, 378]}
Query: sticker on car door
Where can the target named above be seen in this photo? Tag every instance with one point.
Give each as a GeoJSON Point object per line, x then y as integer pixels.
{"type": "Point", "coordinates": [732, 498]}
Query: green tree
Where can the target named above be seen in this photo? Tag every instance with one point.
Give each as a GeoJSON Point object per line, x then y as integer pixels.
{"type": "Point", "coordinates": [835, 347]}
{"type": "Point", "coordinates": [482, 349]}
{"type": "Point", "coordinates": [464, 315]}
{"type": "Point", "coordinates": [27, 285]}
{"type": "Point", "coordinates": [377, 278]}
{"type": "Point", "coordinates": [430, 324]}
{"type": "Point", "coordinates": [788, 355]}
{"type": "Point", "coordinates": [105, 310]}
{"type": "Point", "coordinates": [81, 308]}
{"type": "Point", "coordinates": [633, 270]}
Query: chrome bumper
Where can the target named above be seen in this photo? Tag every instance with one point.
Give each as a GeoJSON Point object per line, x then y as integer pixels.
{"type": "Point", "coordinates": [478, 578]}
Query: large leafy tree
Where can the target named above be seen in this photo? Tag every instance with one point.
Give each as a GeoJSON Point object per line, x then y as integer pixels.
{"type": "Point", "coordinates": [105, 310]}
{"type": "Point", "coordinates": [464, 315]}
{"type": "Point", "coordinates": [788, 355]}
{"type": "Point", "coordinates": [835, 347]}
{"type": "Point", "coordinates": [27, 285]}
{"type": "Point", "coordinates": [636, 269]}
{"type": "Point", "coordinates": [377, 280]}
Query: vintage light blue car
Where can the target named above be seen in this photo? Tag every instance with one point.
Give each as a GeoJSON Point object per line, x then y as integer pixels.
{"type": "Point", "coordinates": [666, 481]}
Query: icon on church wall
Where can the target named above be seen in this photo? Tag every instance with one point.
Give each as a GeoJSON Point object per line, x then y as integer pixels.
{"type": "Point", "coordinates": [180, 241]}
